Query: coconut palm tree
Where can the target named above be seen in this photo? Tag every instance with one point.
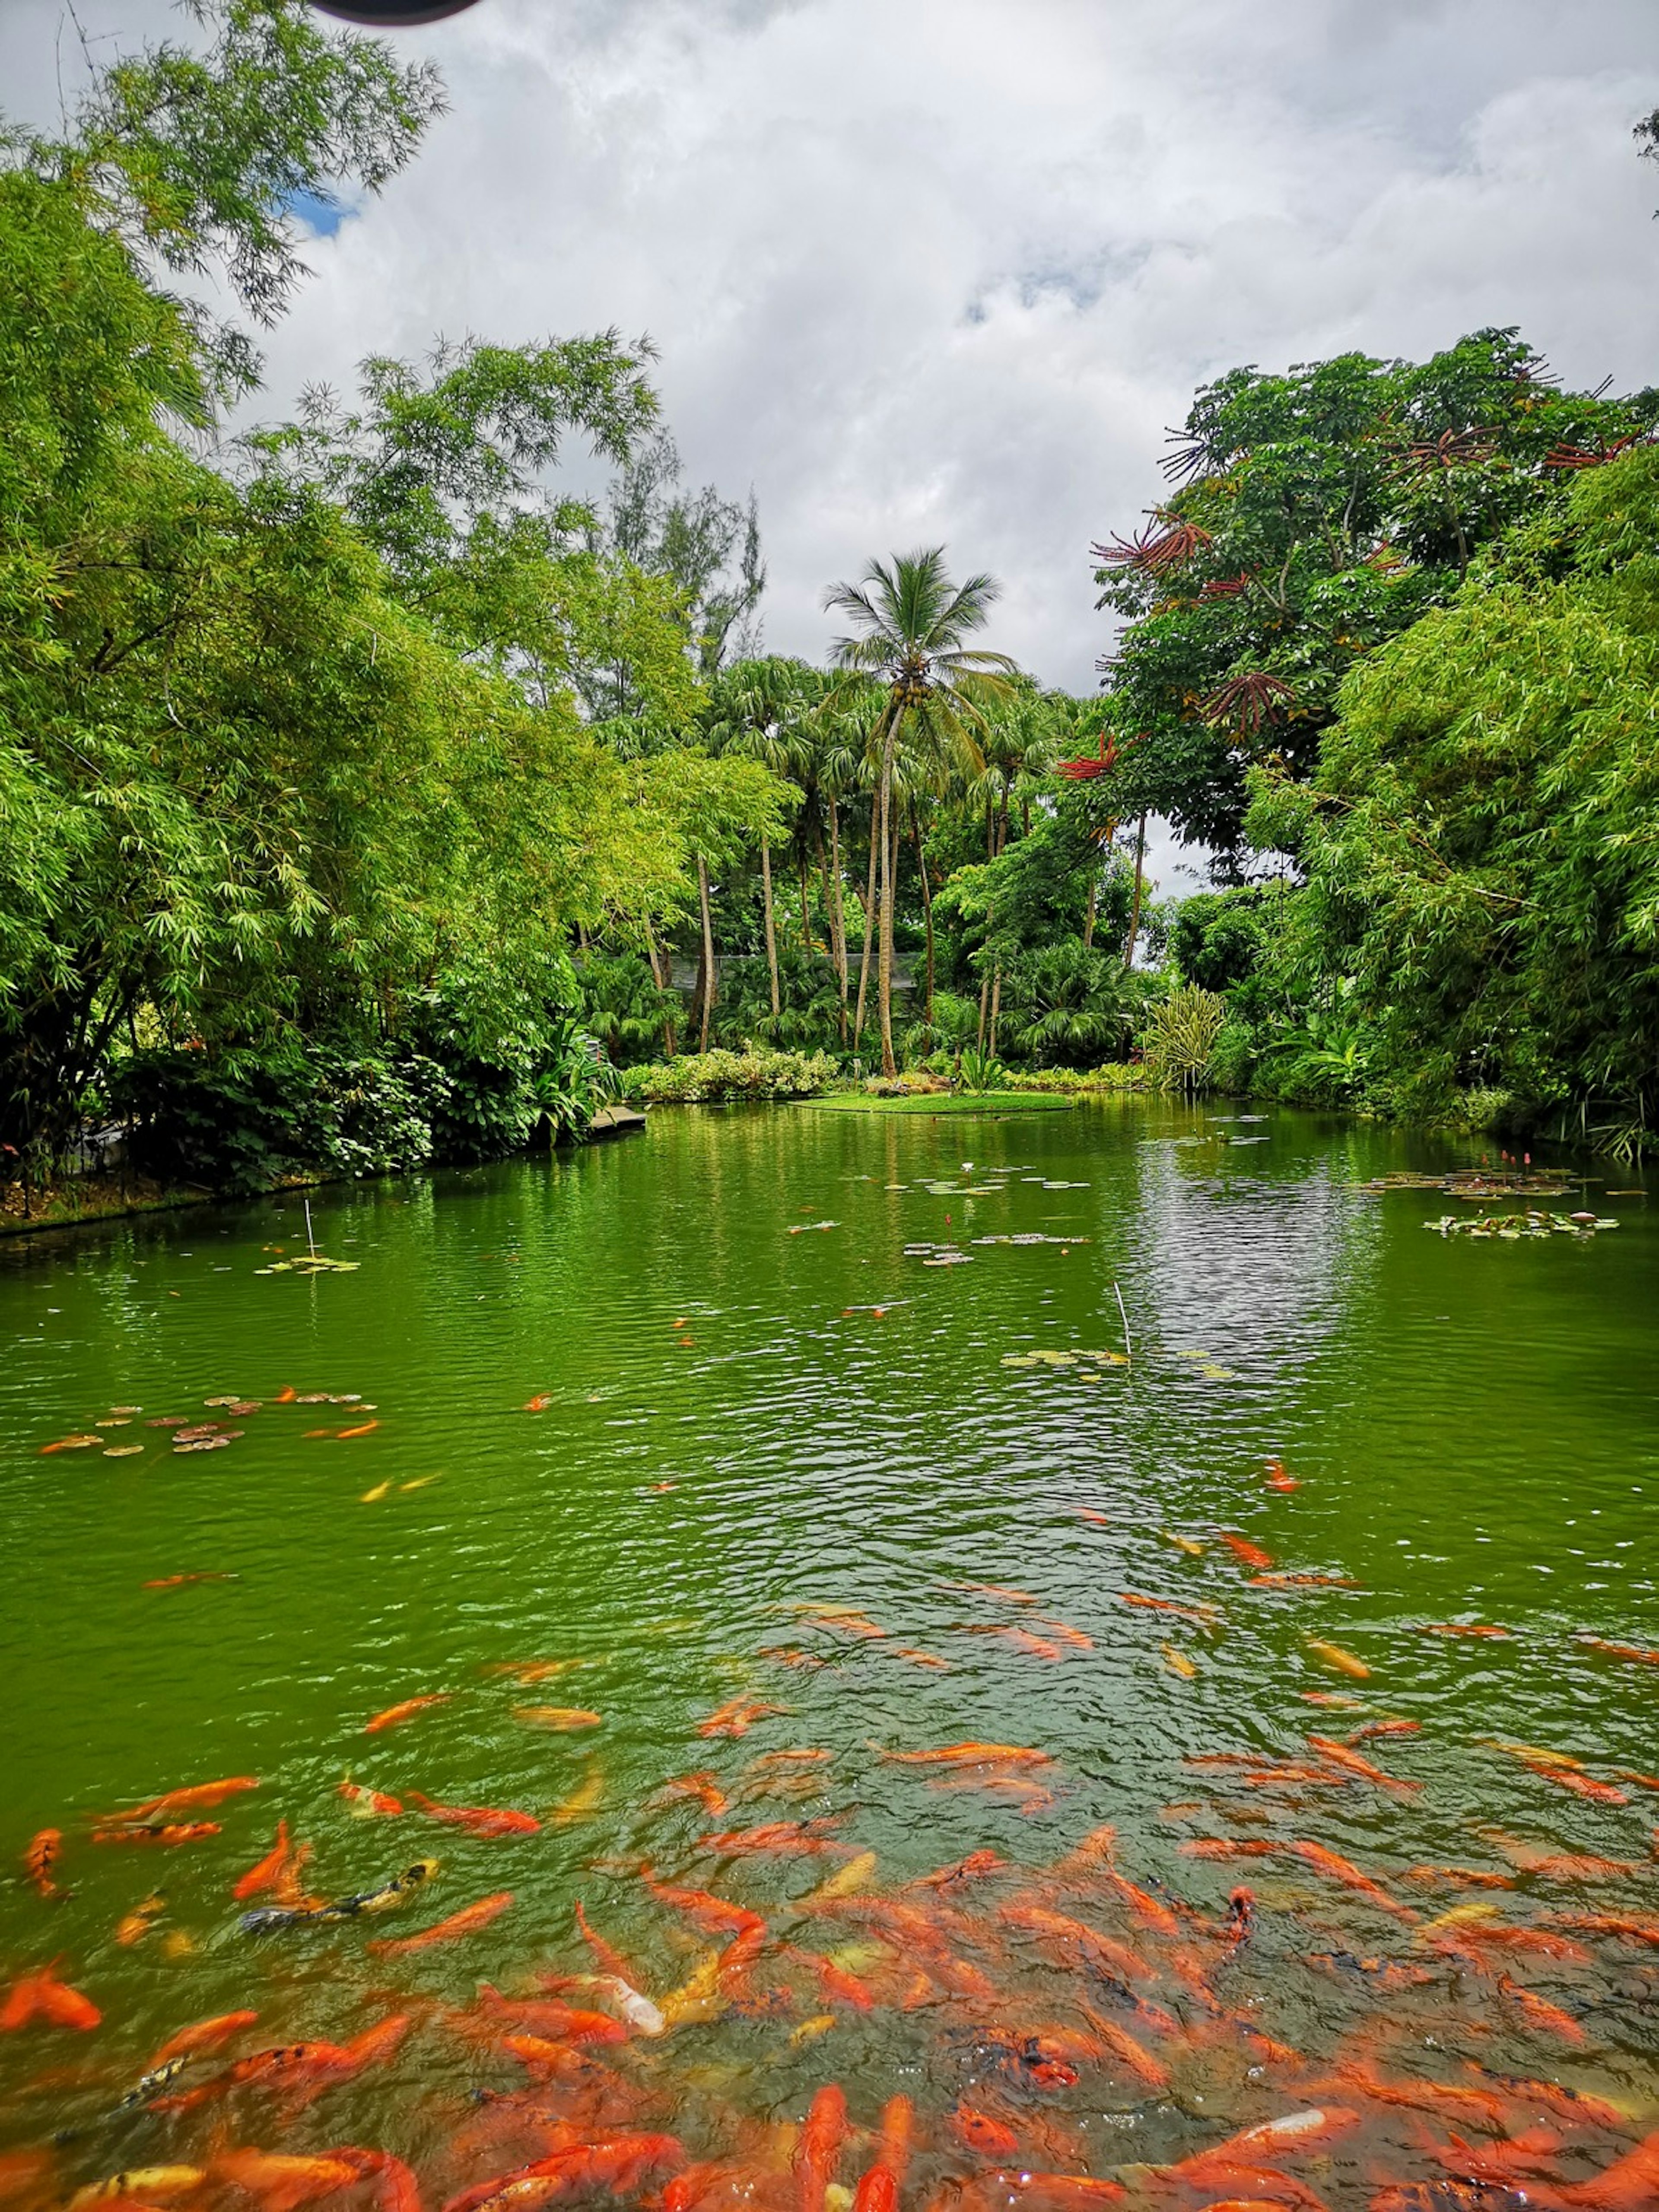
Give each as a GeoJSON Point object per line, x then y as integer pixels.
{"type": "Point", "coordinates": [758, 708]}
{"type": "Point", "coordinates": [910, 623]}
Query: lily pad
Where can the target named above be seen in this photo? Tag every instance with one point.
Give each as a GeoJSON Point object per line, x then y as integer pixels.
{"type": "Point", "coordinates": [1068, 1358]}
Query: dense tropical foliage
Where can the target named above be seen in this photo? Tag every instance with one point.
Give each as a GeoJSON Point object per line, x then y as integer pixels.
{"type": "Point", "coordinates": [367, 799]}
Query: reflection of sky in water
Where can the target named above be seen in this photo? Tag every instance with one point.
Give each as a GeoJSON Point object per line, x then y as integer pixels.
{"type": "Point", "coordinates": [1245, 1253]}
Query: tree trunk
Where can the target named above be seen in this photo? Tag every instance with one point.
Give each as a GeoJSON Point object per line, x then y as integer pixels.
{"type": "Point", "coordinates": [805, 907]}
{"type": "Point", "coordinates": [706, 985]}
{"type": "Point", "coordinates": [662, 975]}
{"type": "Point", "coordinates": [996, 1007]}
{"type": "Point", "coordinates": [889, 848]}
{"type": "Point", "coordinates": [869, 918]}
{"type": "Point", "coordinates": [771, 934]}
{"type": "Point", "coordinates": [984, 1007]}
{"type": "Point", "coordinates": [927, 913]}
{"type": "Point", "coordinates": [1089, 912]}
{"type": "Point", "coordinates": [837, 914]}
{"type": "Point", "coordinates": [1135, 910]}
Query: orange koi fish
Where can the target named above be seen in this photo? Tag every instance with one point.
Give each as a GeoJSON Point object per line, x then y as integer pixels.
{"type": "Point", "coordinates": [367, 1804]}
{"type": "Point", "coordinates": [160, 2182]}
{"type": "Point", "coordinates": [564, 1720]}
{"type": "Point", "coordinates": [395, 1716]}
{"type": "Point", "coordinates": [157, 1831]}
{"type": "Point", "coordinates": [798, 1836]}
{"type": "Point", "coordinates": [879, 2184]}
{"type": "Point", "coordinates": [1088, 1513]}
{"type": "Point", "coordinates": [839, 1986]}
{"type": "Point", "coordinates": [1560, 1865]}
{"type": "Point", "coordinates": [737, 1717]}
{"type": "Point", "coordinates": [40, 1995]}
{"type": "Point", "coordinates": [269, 1871]}
{"type": "Point", "coordinates": [1608, 1923]}
{"type": "Point", "coordinates": [1462, 1628]}
{"type": "Point", "coordinates": [1245, 2151]}
{"type": "Point", "coordinates": [930, 1659]}
{"type": "Point", "coordinates": [487, 1821]}
{"type": "Point", "coordinates": [549, 2021]}
{"type": "Point", "coordinates": [1580, 2107]}
{"type": "Point", "coordinates": [1202, 1616]}
{"type": "Point", "coordinates": [1345, 1871]}
{"type": "Point", "coordinates": [281, 2182]}
{"type": "Point", "coordinates": [609, 1962]}
{"type": "Point", "coordinates": [978, 2131]}
{"type": "Point", "coordinates": [1132, 2056]}
{"type": "Point", "coordinates": [717, 1913]}
{"type": "Point", "coordinates": [538, 1404]}
{"type": "Point", "coordinates": [1303, 1581]}
{"type": "Point", "coordinates": [1631, 1651]}
{"type": "Point", "coordinates": [183, 1582]}
{"type": "Point", "coordinates": [1334, 1699]}
{"type": "Point", "coordinates": [1015, 1789]}
{"type": "Point", "coordinates": [202, 2035]}
{"type": "Point", "coordinates": [1540, 2012]}
{"type": "Point", "coordinates": [466, 1921]}
{"type": "Point", "coordinates": [295, 2069]}
{"type": "Point", "coordinates": [968, 1869]}
{"type": "Point", "coordinates": [1051, 2192]}
{"type": "Point", "coordinates": [362, 1429]}
{"type": "Point", "coordinates": [1076, 1939]}
{"type": "Point", "coordinates": [528, 1672]}
{"type": "Point", "coordinates": [971, 1754]}
{"type": "Point", "coordinates": [1252, 1555]}
{"type": "Point", "coordinates": [134, 1926]}
{"type": "Point", "coordinates": [23, 2172]}
{"type": "Point", "coordinates": [1064, 1632]}
{"type": "Point", "coordinates": [39, 1859]}
{"type": "Point", "coordinates": [1350, 1762]}
{"type": "Point", "coordinates": [619, 2164]}
{"type": "Point", "coordinates": [702, 1786]}
{"type": "Point", "coordinates": [818, 2154]}
{"type": "Point", "coordinates": [1333, 1655]}
{"type": "Point", "coordinates": [1419, 2094]}
{"type": "Point", "coordinates": [1579, 1785]}
{"type": "Point", "coordinates": [1385, 1728]}
{"type": "Point", "coordinates": [199, 1798]}
{"type": "Point", "coordinates": [1457, 1877]}
{"type": "Point", "coordinates": [1227, 1847]}
{"type": "Point", "coordinates": [1035, 1646]}
{"type": "Point", "coordinates": [1502, 1934]}
{"type": "Point", "coordinates": [992, 1589]}
{"type": "Point", "coordinates": [1278, 1478]}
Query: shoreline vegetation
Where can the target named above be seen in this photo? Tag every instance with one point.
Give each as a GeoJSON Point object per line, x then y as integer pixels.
{"type": "Point", "coordinates": [370, 802]}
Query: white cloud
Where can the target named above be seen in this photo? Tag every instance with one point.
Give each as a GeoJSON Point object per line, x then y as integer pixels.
{"type": "Point", "coordinates": [942, 269]}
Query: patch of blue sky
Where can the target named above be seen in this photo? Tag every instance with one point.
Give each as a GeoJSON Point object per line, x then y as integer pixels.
{"type": "Point", "coordinates": [319, 213]}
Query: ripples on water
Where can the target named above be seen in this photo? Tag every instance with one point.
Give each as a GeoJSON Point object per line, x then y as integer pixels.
{"type": "Point", "coordinates": [746, 1429]}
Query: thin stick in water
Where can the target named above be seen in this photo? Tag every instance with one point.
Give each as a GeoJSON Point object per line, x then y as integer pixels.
{"type": "Point", "coordinates": [312, 1241]}
{"type": "Point", "coordinates": [1128, 1349]}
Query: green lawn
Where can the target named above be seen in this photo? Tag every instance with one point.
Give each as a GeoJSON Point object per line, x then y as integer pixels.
{"type": "Point", "coordinates": [962, 1101]}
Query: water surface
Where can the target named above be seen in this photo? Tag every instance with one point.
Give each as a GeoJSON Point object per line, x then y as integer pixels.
{"type": "Point", "coordinates": [745, 1421]}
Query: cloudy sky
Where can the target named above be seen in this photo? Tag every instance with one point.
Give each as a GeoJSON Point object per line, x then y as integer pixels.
{"type": "Point", "coordinates": [942, 271]}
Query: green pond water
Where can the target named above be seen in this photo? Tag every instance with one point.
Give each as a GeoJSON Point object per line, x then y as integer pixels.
{"type": "Point", "coordinates": [758, 1406]}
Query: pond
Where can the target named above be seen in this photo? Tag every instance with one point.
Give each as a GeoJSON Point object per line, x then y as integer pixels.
{"type": "Point", "coordinates": [766, 1511]}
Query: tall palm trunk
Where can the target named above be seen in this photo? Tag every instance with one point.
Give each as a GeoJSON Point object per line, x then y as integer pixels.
{"type": "Point", "coordinates": [1089, 912]}
{"type": "Point", "coordinates": [837, 914]}
{"type": "Point", "coordinates": [1135, 910]}
{"type": "Point", "coordinates": [889, 869]}
{"type": "Point", "coordinates": [927, 913]}
{"type": "Point", "coordinates": [706, 986]}
{"type": "Point", "coordinates": [662, 975]}
{"type": "Point", "coordinates": [996, 1007]}
{"type": "Point", "coordinates": [771, 932]}
{"type": "Point", "coordinates": [869, 918]}
{"type": "Point", "coordinates": [805, 904]}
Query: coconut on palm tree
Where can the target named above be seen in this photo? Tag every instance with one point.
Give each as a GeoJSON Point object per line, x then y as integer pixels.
{"type": "Point", "coordinates": [910, 624]}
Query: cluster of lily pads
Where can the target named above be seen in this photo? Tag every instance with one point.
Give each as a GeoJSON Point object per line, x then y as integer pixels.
{"type": "Point", "coordinates": [1509, 1227]}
